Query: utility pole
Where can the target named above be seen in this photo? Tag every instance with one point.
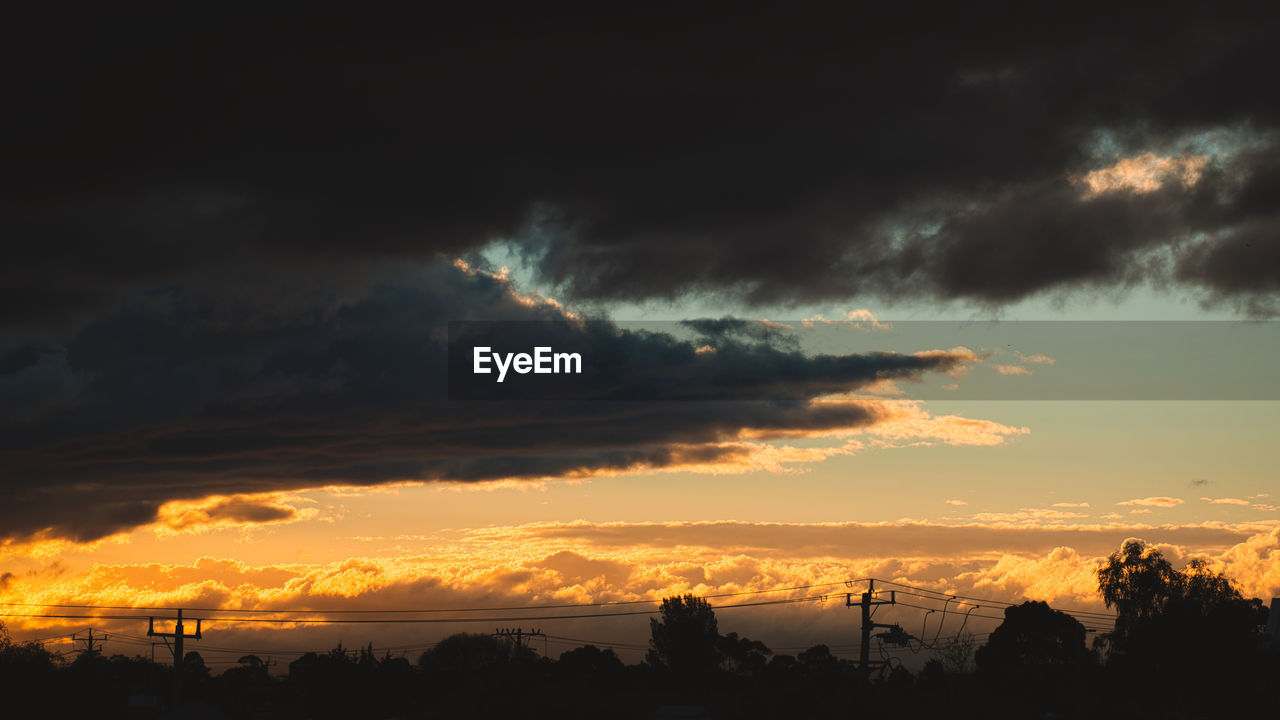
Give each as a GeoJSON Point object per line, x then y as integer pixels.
{"type": "Point", "coordinates": [90, 648]}
{"type": "Point", "coordinates": [178, 635]}
{"type": "Point", "coordinates": [864, 648]}
{"type": "Point", "coordinates": [519, 634]}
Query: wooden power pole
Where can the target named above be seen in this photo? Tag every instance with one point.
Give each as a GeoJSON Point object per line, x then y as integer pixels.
{"type": "Point", "coordinates": [178, 635]}
{"type": "Point", "coordinates": [864, 648]}
{"type": "Point", "coordinates": [92, 645]}
{"type": "Point", "coordinates": [519, 634]}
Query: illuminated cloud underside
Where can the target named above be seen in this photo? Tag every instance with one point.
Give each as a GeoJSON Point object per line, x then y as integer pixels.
{"type": "Point", "coordinates": [585, 562]}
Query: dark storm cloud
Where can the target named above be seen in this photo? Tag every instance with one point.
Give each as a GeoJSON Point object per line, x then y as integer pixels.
{"type": "Point", "coordinates": [223, 229]}
{"type": "Point", "coordinates": [1042, 237]}
{"type": "Point", "coordinates": [175, 396]}
{"type": "Point", "coordinates": [242, 510]}
{"type": "Point", "coordinates": [767, 155]}
{"type": "Point", "coordinates": [1243, 259]}
{"type": "Point", "coordinates": [730, 329]}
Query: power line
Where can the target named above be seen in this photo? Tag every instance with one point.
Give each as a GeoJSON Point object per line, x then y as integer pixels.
{"type": "Point", "coordinates": [985, 601]}
{"type": "Point", "coordinates": [922, 607]}
{"type": "Point", "coordinates": [411, 621]}
{"type": "Point", "coordinates": [1086, 621]}
{"type": "Point", "coordinates": [76, 617]}
{"type": "Point", "coordinates": [601, 643]}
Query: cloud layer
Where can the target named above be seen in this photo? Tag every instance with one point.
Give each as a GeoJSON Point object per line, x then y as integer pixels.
{"type": "Point", "coordinates": [761, 155]}
{"type": "Point", "coordinates": [556, 563]}
{"type": "Point", "coordinates": [176, 396]}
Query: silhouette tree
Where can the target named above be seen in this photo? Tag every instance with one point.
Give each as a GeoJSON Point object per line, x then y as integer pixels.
{"type": "Point", "coordinates": [244, 690]}
{"type": "Point", "coordinates": [684, 640]}
{"type": "Point", "coordinates": [819, 663]}
{"type": "Point", "coordinates": [1192, 630]}
{"type": "Point", "coordinates": [26, 669]}
{"type": "Point", "coordinates": [590, 663]}
{"type": "Point", "coordinates": [1032, 639]}
{"type": "Point", "coordinates": [1152, 601]}
{"type": "Point", "coordinates": [742, 656]}
{"type": "Point", "coordinates": [471, 653]}
{"type": "Point", "coordinates": [1138, 582]}
{"type": "Point", "coordinates": [195, 663]}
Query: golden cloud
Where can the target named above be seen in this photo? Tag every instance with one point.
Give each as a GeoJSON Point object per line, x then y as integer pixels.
{"type": "Point", "coordinates": [1160, 502]}
{"type": "Point", "coordinates": [1028, 515]}
{"type": "Point", "coordinates": [1225, 501]}
{"type": "Point", "coordinates": [857, 319]}
{"type": "Point", "coordinates": [579, 562]}
{"type": "Point", "coordinates": [1038, 358]}
{"type": "Point", "coordinates": [1143, 173]}
{"type": "Point", "coordinates": [217, 512]}
{"type": "Point", "coordinates": [1011, 370]}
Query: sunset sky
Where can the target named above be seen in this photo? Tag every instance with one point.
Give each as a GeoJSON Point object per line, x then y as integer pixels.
{"type": "Point", "coordinates": [858, 298]}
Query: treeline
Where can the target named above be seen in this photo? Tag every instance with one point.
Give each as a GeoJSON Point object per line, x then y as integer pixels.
{"type": "Point", "coordinates": [1185, 644]}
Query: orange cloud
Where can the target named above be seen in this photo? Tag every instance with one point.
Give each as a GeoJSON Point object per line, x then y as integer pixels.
{"type": "Point", "coordinates": [1011, 370]}
{"type": "Point", "coordinates": [549, 563]}
{"type": "Point", "coordinates": [503, 276]}
{"type": "Point", "coordinates": [1038, 358]}
{"type": "Point", "coordinates": [1143, 173]}
{"type": "Point", "coordinates": [863, 315]}
{"type": "Point", "coordinates": [1225, 501]}
{"type": "Point", "coordinates": [858, 319]}
{"type": "Point", "coordinates": [1028, 515]}
{"type": "Point", "coordinates": [218, 511]}
{"type": "Point", "coordinates": [775, 325]}
{"type": "Point", "coordinates": [899, 421]}
{"type": "Point", "coordinates": [1160, 502]}
{"type": "Point", "coordinates": [885, 387]}
{"type": "Point", "coordinates": [1254, 564]}
{"type": "Point", "coordinates": [1061, 576]}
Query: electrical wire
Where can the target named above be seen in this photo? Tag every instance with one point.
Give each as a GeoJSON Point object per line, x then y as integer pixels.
{"type": "Point", "coordinates": [401, 621]}
{"type": "Point", "coordinates": [985, 601]}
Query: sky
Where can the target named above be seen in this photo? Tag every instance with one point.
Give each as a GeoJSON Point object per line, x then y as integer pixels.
{"type": "Point", "coordinates": [960, 303]}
